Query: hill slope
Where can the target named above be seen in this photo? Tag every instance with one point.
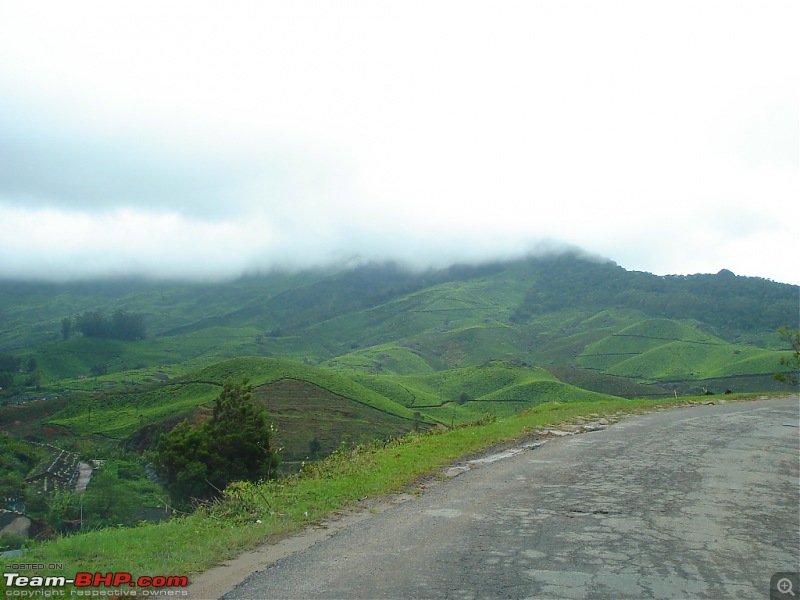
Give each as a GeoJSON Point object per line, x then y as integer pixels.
{"type": "Point", "coordinates": [315, 409]}
{"type": "Point", "coordinates": [554, 311]}
{"type": "Point", "coordinates": [290, 390]}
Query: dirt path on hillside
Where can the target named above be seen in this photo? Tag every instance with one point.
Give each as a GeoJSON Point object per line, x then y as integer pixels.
{"type": "Point", "coordinates": [84, 476]}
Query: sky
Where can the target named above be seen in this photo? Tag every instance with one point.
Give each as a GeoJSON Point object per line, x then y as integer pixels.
{"type": "Point", "coordinates": [203, 140]}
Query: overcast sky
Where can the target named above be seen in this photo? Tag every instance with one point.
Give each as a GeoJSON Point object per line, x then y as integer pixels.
{"type": "Point", "coordinates": [205, 139]}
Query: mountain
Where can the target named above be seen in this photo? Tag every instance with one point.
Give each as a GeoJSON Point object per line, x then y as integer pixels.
{"type": "Point", "coordinates": [588, 321]}
{"type": "Point", "coordinates": [340, 357]}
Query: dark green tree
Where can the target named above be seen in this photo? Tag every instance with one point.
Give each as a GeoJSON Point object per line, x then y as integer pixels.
{"type": "Point", "coordinates": [93, 324]}
{"type": "Point", "coordinates": [182, 463]}
{"type": "Point", "coordinates": [8, 366]}
{"type": "Point", "coordinates": [6, 380]}
{"type": "Point", "coordinates": [196, 462]}
{"type": "Point", "coordinates": [109, 499]}
{"type": "Point", "coordinates": [34, 379]}
{"type": "Point", "coordinates": [792, 336]}
{"type": "Point", "coordinates": [9, 363]}
{"type": "Point", "coordinates": [123, 325]}
{"type": "Point", "coordinates": [66, 328]}
{"type": "Point", "coordinates": [127, 326]}
{"type": "Point", "coordinates": [12, 489]}
{"type": "Point", "coordinates": [240, 437]}
{"type": "Point", "coordinates": [63, 508]}
{"type": "Point", "coordinates": [99, 369]}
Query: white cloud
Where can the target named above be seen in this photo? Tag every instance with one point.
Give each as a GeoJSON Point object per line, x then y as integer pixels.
{"type": "Point", "coordinates": [193, 139]}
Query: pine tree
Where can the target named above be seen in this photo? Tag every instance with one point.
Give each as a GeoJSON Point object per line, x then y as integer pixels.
{"type": "Point", "coordinates": [196, 462]}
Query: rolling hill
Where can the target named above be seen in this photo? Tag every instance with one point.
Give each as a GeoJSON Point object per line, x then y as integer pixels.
{"type": "Point", "coordinates": [310, 403]}
{"type": "Point", "coordinates": [348, 356]}
{"type": "Point", "coordinates": [300, 399]}
{"type": "Point", "coordinates": [588, 320]}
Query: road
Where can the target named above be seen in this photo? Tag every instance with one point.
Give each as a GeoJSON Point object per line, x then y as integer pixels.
{"type": "Point", "coordinates": [700, 502]}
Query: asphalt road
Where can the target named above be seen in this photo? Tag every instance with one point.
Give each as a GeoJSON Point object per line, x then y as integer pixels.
{"type": "Point", "coordinates": [701, 502]}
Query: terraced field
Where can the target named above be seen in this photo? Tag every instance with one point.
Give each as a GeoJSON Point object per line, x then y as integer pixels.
{"type": "Point", "coordinates": [315, 409]}
{"type": "Point", "coordinates": [450, 344]}
{"type": "Point", "coordinates": [303, 412]}
{"type": "Point", "coordinates": [497, 387]}
{"type": "Point", "coordinates": [303, 402]}
{"type": "Point", "coordinates": [667, 350]}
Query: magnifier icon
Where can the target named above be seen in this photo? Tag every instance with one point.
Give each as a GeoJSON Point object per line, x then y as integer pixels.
{"type": "Point", "coordinates": [785, 586]}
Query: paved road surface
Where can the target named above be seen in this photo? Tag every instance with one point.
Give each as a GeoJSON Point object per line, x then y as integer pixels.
{"type": "Point", "coordinates": [702, 502]}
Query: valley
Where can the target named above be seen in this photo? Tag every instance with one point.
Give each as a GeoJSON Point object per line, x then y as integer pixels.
{"type": "Point", "coordinates": [340, 358]}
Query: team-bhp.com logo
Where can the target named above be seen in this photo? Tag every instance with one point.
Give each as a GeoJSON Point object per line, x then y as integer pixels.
{"type": "Point", "coordinates": [87, 584]}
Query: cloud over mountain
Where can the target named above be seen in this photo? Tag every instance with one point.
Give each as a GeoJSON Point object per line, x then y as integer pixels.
{"type": "Point", "coordinates": [187, 140]}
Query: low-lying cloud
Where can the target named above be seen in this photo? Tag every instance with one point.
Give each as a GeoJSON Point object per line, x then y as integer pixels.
{"type": "Point", "coordinates": [207, 143]}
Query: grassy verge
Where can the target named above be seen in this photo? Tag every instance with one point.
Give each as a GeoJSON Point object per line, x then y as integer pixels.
{"type": "Point", "coordinates": [252, 513]}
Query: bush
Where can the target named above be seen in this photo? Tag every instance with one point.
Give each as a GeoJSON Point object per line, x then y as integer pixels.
{"type": "Point", "coordinates": [10, 542]}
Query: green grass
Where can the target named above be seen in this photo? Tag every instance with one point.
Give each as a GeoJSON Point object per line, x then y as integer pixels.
{"type": "Point", "coordinates": [609, 384]}
{"type": "Point", "coordinates": [391, 358]}
{"type": "Point", "coordinates": [441, 308]}
{"type": "Point", "coordinates": [304, 403]}
{"type": "Point", "coordinates": [452, 396]}
{"type": "Point", "coordinates": [461, 395]}
{"type": "Point", "coordinates": [668, 350]}
{"type": "Point", "coordinates": [260, 370]}
{"type": "Point", "coordinates": [199, 541]}
{"type": "Point", "coordinates": [69, 364]}
{"type": "Point", "coordinates": [118, 415]}
{"type": "Point", "coordinates": [690, 360]}
{"type": "Point", "coordinates": [401, 325]}
{"type": "Point", "coordinates": [302, 411]}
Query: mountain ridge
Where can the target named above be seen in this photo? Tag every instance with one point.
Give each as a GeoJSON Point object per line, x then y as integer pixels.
{"type": "Point", "coordinates": [548, 310]}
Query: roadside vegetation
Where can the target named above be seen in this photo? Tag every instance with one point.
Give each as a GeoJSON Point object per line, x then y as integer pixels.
{"type": "Point", "coordinates": [251, 513]}
{"type": "Point", "coordinates": [791, 363]}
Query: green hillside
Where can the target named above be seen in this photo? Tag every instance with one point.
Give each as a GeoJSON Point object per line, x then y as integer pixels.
{"type": "Point", "coordinates": [307, 403]}
{"type": "Point", "coordinates": [497, 388]}
{"type": "Point", "coordinates": [670, 332]}
{"type": "Point", "coordinates": [668, 350]}
{"type": "Point", "coordinates": [298, 398]}
{"type": "Point", "coordinates": [349, 356]}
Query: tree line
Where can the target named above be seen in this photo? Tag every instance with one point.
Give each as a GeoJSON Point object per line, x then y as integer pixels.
{"type": "Point", "coordinates": [11, 365]}
{"type": "Point", "coordinates": [722, 300]}
{"type": "Point", "coordinates": [122, 325]}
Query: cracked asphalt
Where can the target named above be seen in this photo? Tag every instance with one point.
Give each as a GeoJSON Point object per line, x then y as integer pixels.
{"type": "Point", "coordinates": [699, 502]}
